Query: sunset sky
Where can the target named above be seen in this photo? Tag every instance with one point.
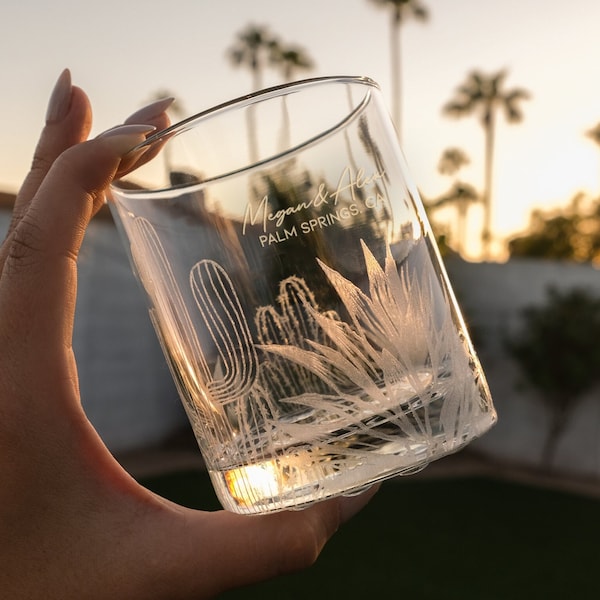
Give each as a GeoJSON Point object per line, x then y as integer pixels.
{"type": "Point", "coordinates": [122, 53]}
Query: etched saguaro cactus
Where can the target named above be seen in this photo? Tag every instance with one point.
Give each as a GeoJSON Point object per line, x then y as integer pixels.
{"type": "Point", "coordinates": [176, 332]}
{"type": "Point", "coordinates": [224, 318]}
{"type": "Point", "coordinates": [292, 325]}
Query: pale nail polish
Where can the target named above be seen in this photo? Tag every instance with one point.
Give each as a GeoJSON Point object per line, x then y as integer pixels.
{"type": "Point", "coordinates": [150, 111]}
{"type": "Point", "coordinates": [60, 99]}
{"type": "Point", "coordinates": [125, 137]}
{"type": "Point", "coordinates": [128, 129]}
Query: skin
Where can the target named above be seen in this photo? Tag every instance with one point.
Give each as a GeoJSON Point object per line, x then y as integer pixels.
{"type": "Point", "coordinates": [73, 523]}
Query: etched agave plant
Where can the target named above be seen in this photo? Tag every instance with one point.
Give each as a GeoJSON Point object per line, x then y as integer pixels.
{"type": "Point", "coordinates": [390, 365]}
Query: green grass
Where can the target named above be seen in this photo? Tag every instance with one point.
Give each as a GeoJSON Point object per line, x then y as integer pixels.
{"type": "Point", "coordinates": [451, 539]}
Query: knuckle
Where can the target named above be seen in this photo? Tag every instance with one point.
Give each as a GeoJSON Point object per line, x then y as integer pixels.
{"type": "Point", "coordinates": [24, 245]}
{"type": "Point", "coordinates": [40, 164]}
{"type": "Point", "coordinates": [303, 554]}
{"type": "Point", "coordinates": [301, 550]}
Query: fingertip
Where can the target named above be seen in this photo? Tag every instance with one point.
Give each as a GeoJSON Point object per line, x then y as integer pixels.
{"type": "Point", "coordinates": [152, 111]}
{"type": "Point", "coordinates": [60, 98]}
{"type": "Point", "coordinates": [123, 138]}
{"type": "Point", "coordinates": [352, 505]}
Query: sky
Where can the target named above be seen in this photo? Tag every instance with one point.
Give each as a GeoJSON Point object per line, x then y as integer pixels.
{"type": "Point", "coordinates": [123, 53]}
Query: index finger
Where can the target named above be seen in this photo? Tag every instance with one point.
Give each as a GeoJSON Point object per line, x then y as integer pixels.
{"type": "Point", "coordinates": [68, 122]}
{"type": "Point", "coordinates": [38, 278]}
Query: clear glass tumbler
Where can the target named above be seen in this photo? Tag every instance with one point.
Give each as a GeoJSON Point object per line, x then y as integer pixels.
{"type": "Point", "coordinates": [299, 297]}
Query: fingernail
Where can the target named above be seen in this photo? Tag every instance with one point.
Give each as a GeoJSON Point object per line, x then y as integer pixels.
{"type": "Point", "coordinates": [124, 137]}
{"type": "Point", "coordinates": [128, 129]}
{"type": "Point", "coordinates": [60, 99]}
{"type": "Point", "coordinates": [149, 112]}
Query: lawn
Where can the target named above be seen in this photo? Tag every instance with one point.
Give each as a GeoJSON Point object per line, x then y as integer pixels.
{"type": "Point", "coordinates": [450, 539]}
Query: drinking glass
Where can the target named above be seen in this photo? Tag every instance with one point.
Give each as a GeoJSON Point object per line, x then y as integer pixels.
{"type": "Point", "coordinates": [298, 295]}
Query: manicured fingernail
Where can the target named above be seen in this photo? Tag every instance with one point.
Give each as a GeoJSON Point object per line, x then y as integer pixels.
{"type": "Point", "coordinates": [60, 99]}
{"type": "Point", "coordinates": [128, 129]}
{"type": "Point", "coordinates": [124, 137]}
{"type": "Point", "coordinates": [149, 112]}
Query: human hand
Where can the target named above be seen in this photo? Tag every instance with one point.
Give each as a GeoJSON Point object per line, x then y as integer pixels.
{"type": "Point", "coordinates": [73, 523]}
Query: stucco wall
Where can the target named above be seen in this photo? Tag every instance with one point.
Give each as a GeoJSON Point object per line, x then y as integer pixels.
{"type": "Point", "coordinates": [127, 390]}
{"type": "Point", "coordinates": [493, 296]}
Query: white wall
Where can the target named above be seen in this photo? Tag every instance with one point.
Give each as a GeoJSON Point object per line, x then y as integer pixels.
{"type": "Point", "coordinates": [126, 387]}
{"type": "Point", "coordinates": [493, 296]}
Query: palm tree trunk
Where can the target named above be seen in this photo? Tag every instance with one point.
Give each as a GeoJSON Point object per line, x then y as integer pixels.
{"type": "Point", "coordinates": [286, 134]}
{"type": "Point", "coordinates": [396, 62]}
{"type": "Point", "coordinates": [251, 114]}
{"type": "Point", "coordinates": [460, 226]}
{"type": "Point", "coordinates": [256, 77]}
{"type": "Point", "coordinates": [486, 233]}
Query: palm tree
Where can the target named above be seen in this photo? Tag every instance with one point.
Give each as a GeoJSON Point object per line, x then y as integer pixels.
{"type": "Point", "coordinates": [484, 95]}
{"type": "Point", "coordinates": [461, 195]}
{"type": "Point", "coordinates": [252, 48]}
{"type": "Point", "coordinates": [290, 59]}
{"type": "Point", "coordinates": [400, 10]}
{"type": "Point", "coordinates": [452, 160]}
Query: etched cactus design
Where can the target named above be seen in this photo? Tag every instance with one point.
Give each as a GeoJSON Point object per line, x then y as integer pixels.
{"type": "Point", "coordinates": [218, 304]}
{"type": "Point", "coordinates": [176, 333]}
{"type": "Point", "coordinates": [292, 324]}
{"type": "Point", "coordinates": [224, 318]}
{"type": "Point", "coordinates": [397, 367]}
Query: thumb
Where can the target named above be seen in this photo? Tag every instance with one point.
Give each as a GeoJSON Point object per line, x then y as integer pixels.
{"type": "Point", "coordinates": [217, 551]}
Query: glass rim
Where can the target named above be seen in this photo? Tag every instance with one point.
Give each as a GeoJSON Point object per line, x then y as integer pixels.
{"type": "Point", "coordinates": [253, 98]}
{"type": "Point", "coordinates": [245, 101]}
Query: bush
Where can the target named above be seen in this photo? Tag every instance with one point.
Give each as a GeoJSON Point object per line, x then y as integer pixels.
{"type": "Point", "coordinates": [558, 350]}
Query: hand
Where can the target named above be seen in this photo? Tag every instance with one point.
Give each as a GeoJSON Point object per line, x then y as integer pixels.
{"type": "Point", "coordinates": [73, 523]}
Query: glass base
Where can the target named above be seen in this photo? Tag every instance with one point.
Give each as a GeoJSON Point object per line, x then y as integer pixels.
{"type": "Point", "coordinates": [302, 476]}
